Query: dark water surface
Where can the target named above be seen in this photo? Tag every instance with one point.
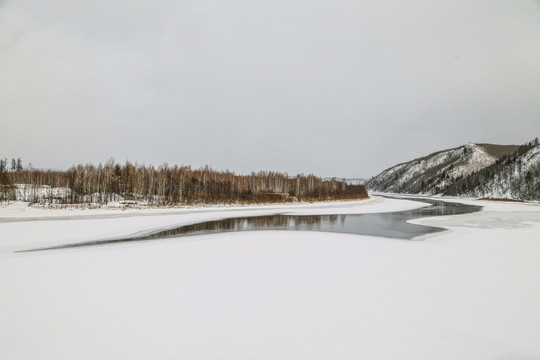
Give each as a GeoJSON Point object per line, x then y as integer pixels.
{"type": "Point", "coordinates": [393, 224]}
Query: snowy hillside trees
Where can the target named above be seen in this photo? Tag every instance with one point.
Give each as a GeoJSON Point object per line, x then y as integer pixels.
{"type": "Point", "coordinates": [512, 177]}
{"type": "Point", "coordinates": [476, 170]}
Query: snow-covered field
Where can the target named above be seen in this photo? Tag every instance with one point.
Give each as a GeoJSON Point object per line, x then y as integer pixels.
{"type": "Point", "coordinates": [469, 293]}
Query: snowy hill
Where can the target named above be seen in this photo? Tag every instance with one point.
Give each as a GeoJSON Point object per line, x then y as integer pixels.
{"type": "Point", "coordinates": [356, 181]}
{"type": "Point", "coordinates": [481, 170]}
{"type": "Point", "coordinates": [514, 177]}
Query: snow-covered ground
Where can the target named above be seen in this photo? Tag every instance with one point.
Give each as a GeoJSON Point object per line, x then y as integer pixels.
{"type": "Point", "coordinates": [469, 293]}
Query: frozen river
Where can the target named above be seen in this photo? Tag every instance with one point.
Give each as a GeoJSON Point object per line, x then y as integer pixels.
{"type": "Point", "coordinates": [390, 224]}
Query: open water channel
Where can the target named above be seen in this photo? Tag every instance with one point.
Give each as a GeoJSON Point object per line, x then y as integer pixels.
{"type": "Point", "coordinates": [391, 224]}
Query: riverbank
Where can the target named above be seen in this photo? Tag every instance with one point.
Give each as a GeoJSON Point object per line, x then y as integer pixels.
{"type": "Point", "coordinates": [45, 228]}
{"type": "Point", "coordinates": [18, 210]}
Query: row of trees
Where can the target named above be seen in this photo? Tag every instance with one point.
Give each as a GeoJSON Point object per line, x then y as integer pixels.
{"type": "Point", "coordinates": [16, 165]}
{"type": "Point", "coordinates": [168, 185]}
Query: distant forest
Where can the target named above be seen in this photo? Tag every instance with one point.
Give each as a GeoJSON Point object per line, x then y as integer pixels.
{"type": "Point", "coordinates": [164, 186]}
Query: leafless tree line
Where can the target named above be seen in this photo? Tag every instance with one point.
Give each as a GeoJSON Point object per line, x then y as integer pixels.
{"type": "Point", "coordinates": [169, 185]}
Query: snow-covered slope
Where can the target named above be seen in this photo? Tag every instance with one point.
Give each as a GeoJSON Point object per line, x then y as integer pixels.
{"type": "Point", "coordinates": [434, 172]}
{"type": "Point", "coordinates": [517, 177]}
{"type": "Point", "coordinates": [30, 193]}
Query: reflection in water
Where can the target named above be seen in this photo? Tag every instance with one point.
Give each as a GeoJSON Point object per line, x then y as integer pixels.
{"type": "Point", "coordinates": [392, 224]}
{"type": "Point", "coordinates": [273, 222]}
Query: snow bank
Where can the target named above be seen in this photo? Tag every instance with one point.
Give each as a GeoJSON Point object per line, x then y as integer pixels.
{"type": "Point", "coordinates": [31, 193]}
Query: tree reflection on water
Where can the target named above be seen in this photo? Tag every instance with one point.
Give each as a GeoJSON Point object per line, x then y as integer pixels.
{"type": "Point", "coordinates": [270, 222]}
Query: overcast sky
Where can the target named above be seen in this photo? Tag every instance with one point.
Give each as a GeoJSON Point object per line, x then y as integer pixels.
{"type": "Point", "coordinates": [340, 88]}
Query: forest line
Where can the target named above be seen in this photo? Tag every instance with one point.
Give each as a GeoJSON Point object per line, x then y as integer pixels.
{"type": "Point", "coordinates": [165, 185]}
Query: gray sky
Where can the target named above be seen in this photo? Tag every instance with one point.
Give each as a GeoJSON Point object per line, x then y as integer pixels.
{"type": "Point", "coordinates": [338, 88]}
